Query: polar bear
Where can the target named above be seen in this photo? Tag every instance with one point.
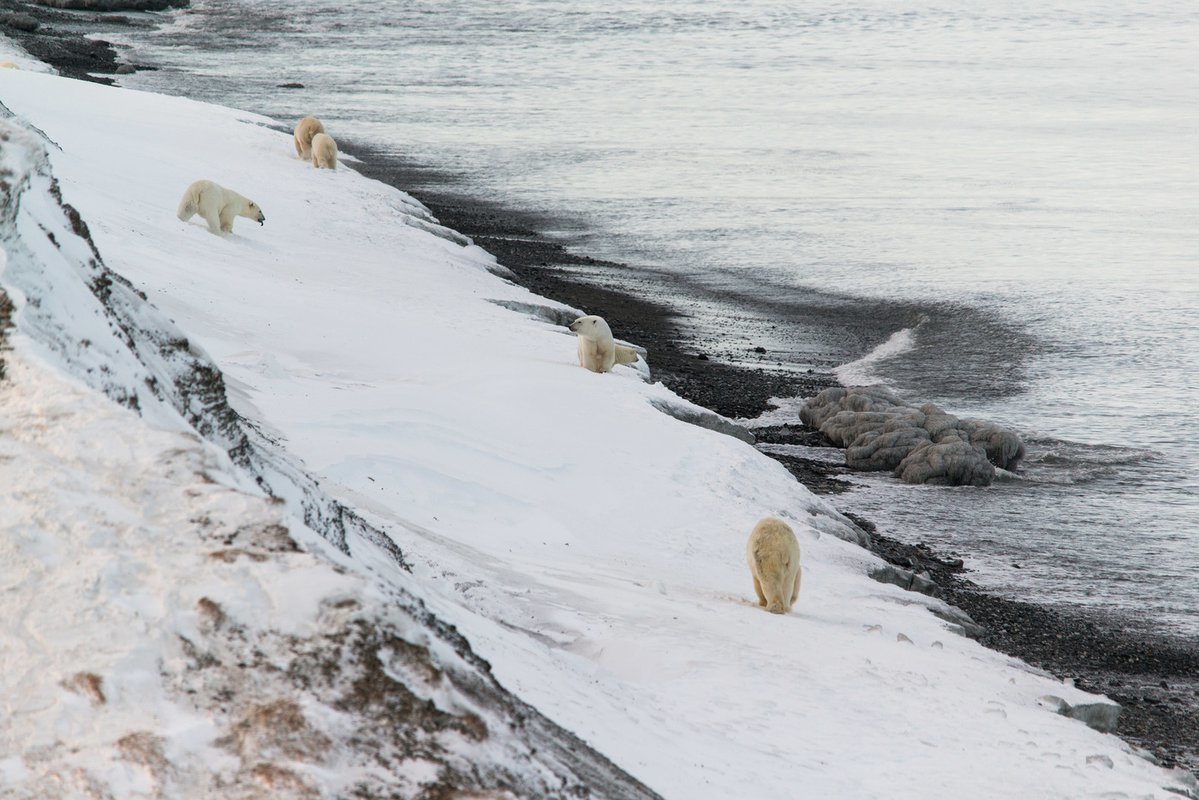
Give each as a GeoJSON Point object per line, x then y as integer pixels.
{"type": "Point", "coordinates": [773, 555]}
{"type": "Point", "coordinates": [324, 151]}
{"type": "Point", "coordinates": [218, 206]}
{"type": "Point", "coordinates": [8, 65]}
{"type": "Point", "coordinates": [598, 351]}
{"type": "Point", "coordinates": [305, 130]}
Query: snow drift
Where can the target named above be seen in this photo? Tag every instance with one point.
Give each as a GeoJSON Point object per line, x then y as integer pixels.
{"type": "Point", "coordinates": [353, 374]}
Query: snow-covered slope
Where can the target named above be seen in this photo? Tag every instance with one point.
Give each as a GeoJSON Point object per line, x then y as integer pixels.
{"type": "Point", "coordinates": [449, 449]}
{"type": "Point", "coordinates": [167, 629]}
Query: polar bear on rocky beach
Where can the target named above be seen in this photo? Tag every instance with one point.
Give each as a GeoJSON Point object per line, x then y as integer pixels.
{"type": "Point", "coordinates": [773, 555]}
{"type": "Point", "coordinates": [305, 130]}
{"type": "Point", "coordinates": [324, 151]}
{"type": "Point", "coordinates": [598, 351]}
{"type": "Point", "coordinates": [218, 206]}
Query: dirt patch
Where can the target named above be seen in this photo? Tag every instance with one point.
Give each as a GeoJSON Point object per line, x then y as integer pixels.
{"type": "Point", "coordinates": [88, 684]}
{"type": "Point", "coordinates": [6, 312]}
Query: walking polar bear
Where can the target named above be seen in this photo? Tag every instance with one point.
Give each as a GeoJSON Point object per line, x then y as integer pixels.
{"type": "Point", "coordinates": [305, 130]}
{"type": "Point", "coordinates": [324, 151]}
{"type": "Point", "coordinates": [773, 555]}
{"type": "Point", "coordinates": [218, 206]}
{"type": "Point", "coordinates": [598, 351]}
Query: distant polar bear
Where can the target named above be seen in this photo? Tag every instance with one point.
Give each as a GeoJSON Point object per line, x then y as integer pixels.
{"type": "Point", "coordinates": [324, 151]}
{"type": "Point", "coordinates": [773, 555]}
{"type": "Point", "coordinates": [8, 65]}
{"type": "Point", "coordinates": [598, 351]}
{"type": "Point", "coordinates": [218, 206]}
{"type": "Point", "coordinates": [305, 130]}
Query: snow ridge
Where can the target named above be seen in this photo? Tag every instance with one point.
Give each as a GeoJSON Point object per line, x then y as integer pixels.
{"type": "Point", "coordinates": [275, 669]}
{"type": "Point", "coordinates": [147, 363]}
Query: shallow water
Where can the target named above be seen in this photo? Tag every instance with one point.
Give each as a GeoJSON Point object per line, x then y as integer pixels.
{"type": "Point", "coordinates": [1024, 176]}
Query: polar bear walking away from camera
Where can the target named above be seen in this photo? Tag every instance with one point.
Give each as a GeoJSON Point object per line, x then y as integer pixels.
{"type": "Point", "coordinates": [305, 130]}
{"type": "Point", "coordinates": [324, 151]}
{"type": "Point", "coordinates": [773, 555]}
{"type": "Point", "coordinates": [218, 206]}
{"type": "Point", "coordinates": [598, 351]}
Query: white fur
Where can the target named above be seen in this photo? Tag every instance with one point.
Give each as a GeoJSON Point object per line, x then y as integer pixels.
{"type": "Point", "coordinates": [217, 205]}
{"type": "Point", "coordinates": [598, 351]}
{"type": "Point", "coordinates": [324, 151]}
{"type": "Point", "coordinates": [305, 130]}
{"type": "Point", "coordinates": [773, 555]}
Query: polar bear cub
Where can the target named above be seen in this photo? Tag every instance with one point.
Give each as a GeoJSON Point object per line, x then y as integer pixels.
{"type": "Point", "coordinates": [305, 130]}
{"type": "Point", "coordinates": [598, 351]}
{"type": "Point", "coordinates": [324, 151]}
{"type": "Point", "coordinates": [218, 206]}
{"type": "Point", "coordinates": [773, 555]}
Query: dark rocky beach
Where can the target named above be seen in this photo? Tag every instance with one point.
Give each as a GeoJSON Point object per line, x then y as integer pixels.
{"type": "Point", "coordinates": [715, 361]}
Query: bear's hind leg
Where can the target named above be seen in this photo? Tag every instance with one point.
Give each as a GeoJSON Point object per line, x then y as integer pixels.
{"type": "Point", "coordinates": [758, 590]}
{"type": "Point", "coordinates": [795, 591]}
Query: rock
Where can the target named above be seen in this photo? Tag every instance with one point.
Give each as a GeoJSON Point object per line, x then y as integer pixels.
{"type": "Point", "coordinates": [937, 646]}
{"type": "Point", "coordinates": [126, 69]}
{"type": "Point", "coordinates": [114, 5]}
{"type": "Point", "coordinates": [1099, 716]}
{"type": "Point", "coordinates": [291, 86]}
{"type": "Point", "coordinates": [1004, 449]}
{"type": "Point", "coordinates": [1054, 703]}
{"type": "Point", "coordinates": [904, 579]}
{"type": "Point", "coordinates": [958, 617]}
{"type": "Point", "coordinates": [561, 315]}
{"type": "Point", "coordinates": [948, 461]}
{"type": "Point", "coordinates": [899, 637]}
{"type": "Point", "coordinates": [876, 451]}
{"type": "Point", "coordinates": [1101, 760]}
{"type": "Point", "coordinates": [919, 444]}
{"type": "Point", "coordinates": [697, 415]}
{"type": "Point", "coordinates": [20, 22]}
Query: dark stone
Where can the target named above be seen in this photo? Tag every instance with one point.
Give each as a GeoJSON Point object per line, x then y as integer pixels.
{"type": "Point", "coordinates": [114, 5]}
{"type": "Point", "coordinates": [19, 22]}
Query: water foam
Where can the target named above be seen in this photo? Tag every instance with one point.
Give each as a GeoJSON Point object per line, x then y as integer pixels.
{"type": "Point", "coordinates": [860, 372]}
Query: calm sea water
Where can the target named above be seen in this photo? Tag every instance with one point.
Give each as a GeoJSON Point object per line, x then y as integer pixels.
{"type": "Point", "coordinates": [1025, 175]}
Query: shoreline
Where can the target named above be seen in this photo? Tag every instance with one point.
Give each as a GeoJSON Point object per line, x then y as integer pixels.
{"type": "Point", "coordinates": [1155, 679]}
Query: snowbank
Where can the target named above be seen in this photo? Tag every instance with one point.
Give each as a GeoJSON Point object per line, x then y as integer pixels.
{"type": "Point", "coordinates": [588, 546]}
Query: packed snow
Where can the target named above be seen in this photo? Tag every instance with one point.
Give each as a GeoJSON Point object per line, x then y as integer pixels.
{"type": "Point", "coordinates": [590, 547]}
